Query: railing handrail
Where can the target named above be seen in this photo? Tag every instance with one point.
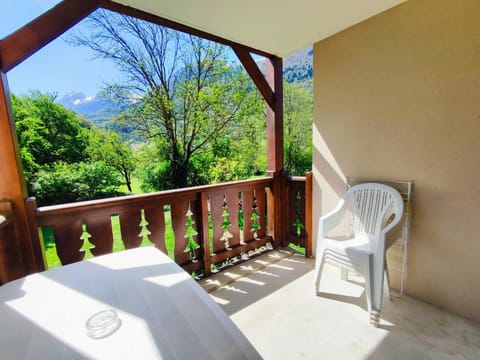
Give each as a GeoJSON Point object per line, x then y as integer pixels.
{"type": "Point", "coordinates": [62, 209]}
{"type": "Point", "coordinates": [5, 213]}
{"type": "Point", "coordinates": [297, 178]}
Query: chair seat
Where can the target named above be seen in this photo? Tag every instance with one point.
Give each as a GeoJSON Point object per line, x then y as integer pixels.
{"type": "Point", "coordinates": [347, 245]}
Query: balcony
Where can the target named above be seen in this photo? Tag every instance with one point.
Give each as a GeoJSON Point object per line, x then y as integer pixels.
{"type": "Point", "coordinates": [390, 84]}
{"type": "Point", "coordinates": [271, 299]}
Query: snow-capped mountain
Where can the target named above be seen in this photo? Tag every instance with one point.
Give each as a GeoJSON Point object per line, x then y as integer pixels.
{"type": "Point", "coordinates": [93, 108]}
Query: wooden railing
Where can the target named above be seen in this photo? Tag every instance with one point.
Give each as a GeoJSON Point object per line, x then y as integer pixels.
{"type": "Point", "coordinates": [298, 212]}
{"type": "Point", "coordinates": [211, 224]}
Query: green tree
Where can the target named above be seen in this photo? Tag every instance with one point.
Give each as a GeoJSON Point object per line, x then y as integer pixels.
{"type": "Point", "coordinates": [178, 88]}
{"type": "Point", "coordinates": [109, 148]}
{"type": "Point", "coordinates": [47, 132]}
{"type": "Point", "coordinates": [53, 143]}
{"type": "Point", "coordinates": [298, 114]}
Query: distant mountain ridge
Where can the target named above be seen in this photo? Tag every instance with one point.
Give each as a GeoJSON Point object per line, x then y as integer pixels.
{"type": "Point", "coordinates": [297, 68]}
{"type": "Point", "coordinates": [93, 108]}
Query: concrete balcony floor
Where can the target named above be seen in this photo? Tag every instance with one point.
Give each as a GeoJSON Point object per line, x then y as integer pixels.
{"type": "Point", "coordinates": [271, 299]}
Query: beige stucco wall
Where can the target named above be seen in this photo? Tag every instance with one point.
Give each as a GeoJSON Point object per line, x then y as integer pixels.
{"type": "Point", "coordinates": [398, 96]}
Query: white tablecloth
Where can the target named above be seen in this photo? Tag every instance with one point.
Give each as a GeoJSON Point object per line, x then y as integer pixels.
{"type": "Point", "coordinates": [165, 314]}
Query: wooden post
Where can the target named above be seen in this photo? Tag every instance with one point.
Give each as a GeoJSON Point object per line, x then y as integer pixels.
{"type": "Point", "coordinates": [274, 70]}
{"type": "Point", "coordinates": [308, 213]}
{"type": "Point", "coordinates": [204, 234]}
{"type": "Point", "coordinates": [18, 246]}
{"type": "Point", "coordinates": [35, 235]}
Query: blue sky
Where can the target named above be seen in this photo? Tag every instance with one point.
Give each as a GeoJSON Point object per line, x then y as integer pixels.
{"type": "Point", "coordinates": [58, 67]}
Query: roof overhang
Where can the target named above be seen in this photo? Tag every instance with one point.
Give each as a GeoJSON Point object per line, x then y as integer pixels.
{"type": "Point", "coordinates": [278, 27]}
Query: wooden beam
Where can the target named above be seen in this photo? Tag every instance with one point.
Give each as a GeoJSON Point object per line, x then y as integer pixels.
{"type": "Point", "coordinates": [274, 68]}
{"type": "Point", "coordinates": [274, 77]}
{"type": "Point", "coordinates": [252, 69]}
{"type": "Point", "coordinates": [142, 15]}
{"type": "Point", "coordinates": [16, 251]}
{"type": "Point", "coordinates": [19, 45]}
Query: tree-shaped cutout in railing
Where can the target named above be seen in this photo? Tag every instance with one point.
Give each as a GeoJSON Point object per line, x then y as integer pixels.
{"type": "Point", "coordinates": [144, 231]}
{"type": "Point", "coordinates": [255, 217]}
{"type": "Point", "coordinates": [87, 246]}
{"type": "Point", "coordinates": [226, 236]}
{"type": "Point", "coordinates": [241, 219]}
{"type": "Point", "coordinates": [297, 224]}
{"type": "Point", "coordinates": [190, 233]}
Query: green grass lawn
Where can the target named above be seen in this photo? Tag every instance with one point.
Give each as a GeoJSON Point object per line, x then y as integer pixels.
{"type": "Point", "coordinates": [136, 187]}
{"type": "Point", "coordinates": [297, 248]}
{"type": "Point", "coordinates": [51, 250]}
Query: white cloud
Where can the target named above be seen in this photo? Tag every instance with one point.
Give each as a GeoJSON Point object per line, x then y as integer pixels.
{"type": "Point", "coordinates": [84, 100]}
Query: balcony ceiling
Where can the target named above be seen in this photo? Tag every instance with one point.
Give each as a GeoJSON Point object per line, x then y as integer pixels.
{"type": "Point", "coordinates": [279, 27]}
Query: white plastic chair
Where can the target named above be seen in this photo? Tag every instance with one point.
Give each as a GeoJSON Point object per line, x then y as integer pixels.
{"type": "Point", "coordinates": [375, 211]}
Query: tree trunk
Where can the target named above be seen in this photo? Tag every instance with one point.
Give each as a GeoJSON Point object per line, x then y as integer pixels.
{"type": "Point", "coordinates": [127, 178]}
{"type": "Point", "coordinates": [179, 174]}
{"type": "Point", "coordinates": [129, 184]}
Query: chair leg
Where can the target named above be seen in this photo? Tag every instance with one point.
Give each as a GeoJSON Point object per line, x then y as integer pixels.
{"type": "Point", "coordinates": [318, 278]}
{"type": "Point", "coordinates": [367, 272]}
{"type": "Point", "coordinates": [378, 276]}
{"type": "Point", "coordinates": [319, 262]}
{"type": "Point", "coordinates": [375, 318]}
{"type": "Point", "coordinates": [387, 283]}
{"type": "Point", "coordinates": [371, 291]}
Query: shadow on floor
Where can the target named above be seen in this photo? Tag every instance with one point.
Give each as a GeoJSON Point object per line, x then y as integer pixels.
{"type": "Point", "coordinates": [261, 283]}
{"type": "Point", "coordinates": [277, 306]}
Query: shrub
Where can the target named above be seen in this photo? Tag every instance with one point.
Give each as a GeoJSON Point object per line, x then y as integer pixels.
{"type": "Point", "coordinates": [64, 183]}
{"type": "Point", "coordinates": [228, 170]}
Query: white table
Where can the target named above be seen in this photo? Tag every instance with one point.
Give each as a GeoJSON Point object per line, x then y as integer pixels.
{"type": "Point", "coordinates": [165, 314]}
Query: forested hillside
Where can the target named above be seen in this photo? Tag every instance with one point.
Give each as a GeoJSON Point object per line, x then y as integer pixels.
{"type": "Point", "coordinates": [298, 68]}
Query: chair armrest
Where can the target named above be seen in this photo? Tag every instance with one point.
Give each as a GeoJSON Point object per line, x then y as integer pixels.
{"type": "Point", "coordinates": [330, 220]}
{"type": "Point", "coordinates": [393, 233]}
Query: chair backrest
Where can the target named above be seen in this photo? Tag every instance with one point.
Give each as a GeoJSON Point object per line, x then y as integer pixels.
{"type": "Point", "coordinates": [374, 206]}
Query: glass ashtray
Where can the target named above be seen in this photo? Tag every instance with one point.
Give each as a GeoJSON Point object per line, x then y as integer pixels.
{"type": "Point", "coordinates": [103, 324]}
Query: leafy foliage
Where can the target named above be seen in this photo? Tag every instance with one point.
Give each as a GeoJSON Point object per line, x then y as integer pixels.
{"type": "Point", "coordinates": [64, 183]}
{"type": "Point", "coordinates": [298, 113]}
{"type": "Point", "coordinates": [64, 158]}
{"type": "Point", "coordinates": [109, 148]}
{"type": "Point", "coordinates": [47, 132]}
